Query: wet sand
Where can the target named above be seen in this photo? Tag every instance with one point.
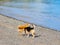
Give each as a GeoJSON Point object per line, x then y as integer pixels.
{"type": "Point", "coordinates": [10, 36]}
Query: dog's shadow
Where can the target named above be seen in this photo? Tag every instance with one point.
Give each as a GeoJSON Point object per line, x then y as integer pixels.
{"type": "Point", "coordinates": [31, 35]}
{"type": "Point", "coordinates": [37, 36]}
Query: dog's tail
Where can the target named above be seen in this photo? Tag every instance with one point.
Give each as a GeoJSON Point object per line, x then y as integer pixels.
{"type": "Point", "coordinates": [23, 26]}
{"type": "Point", "coordinates": [19, 27]}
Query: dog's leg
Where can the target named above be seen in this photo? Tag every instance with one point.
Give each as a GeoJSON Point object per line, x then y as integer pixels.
{"type": "Point", "coordinates": [27, 33]}
{"type": "Point", "coordinates": [33, 33]}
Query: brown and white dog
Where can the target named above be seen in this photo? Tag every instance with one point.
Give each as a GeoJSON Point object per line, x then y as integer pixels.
{"type": "Point", "coordinates": [27, 28]}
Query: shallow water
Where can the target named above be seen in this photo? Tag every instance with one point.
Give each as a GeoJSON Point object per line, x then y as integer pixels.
{"type": "Point", "coordinates": [44, 14]}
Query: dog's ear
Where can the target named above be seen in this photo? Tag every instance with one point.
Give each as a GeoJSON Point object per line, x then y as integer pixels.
{"type": "Point", "coordinates": [33, 25]}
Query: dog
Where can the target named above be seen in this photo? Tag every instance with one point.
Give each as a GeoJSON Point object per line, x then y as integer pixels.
{"type": "Point", "coordinates": [27, 28]}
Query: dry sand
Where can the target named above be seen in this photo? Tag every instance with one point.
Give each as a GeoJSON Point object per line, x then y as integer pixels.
{"type": "Point", "coordinates": [10, 36]}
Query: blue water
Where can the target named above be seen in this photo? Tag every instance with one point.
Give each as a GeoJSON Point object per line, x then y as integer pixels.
{"type": "Point", "coordinates": [43, 14]}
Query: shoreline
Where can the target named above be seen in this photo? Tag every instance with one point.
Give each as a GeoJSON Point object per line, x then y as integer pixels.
{"type": "Point", "coordinates": [10, 36]}
{"type": "Point", "coordinates": [30, 23]}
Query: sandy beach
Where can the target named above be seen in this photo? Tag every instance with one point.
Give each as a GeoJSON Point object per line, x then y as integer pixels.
{"type": "Point", "coordinates": [10, 36]}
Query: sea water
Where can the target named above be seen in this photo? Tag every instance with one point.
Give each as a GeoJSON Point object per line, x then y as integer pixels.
{"type": "Point", "coordinates": [46, 13]}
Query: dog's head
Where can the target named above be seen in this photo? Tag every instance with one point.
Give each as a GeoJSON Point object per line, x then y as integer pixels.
{"type": "Point", "coordinates": [32, 26]}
